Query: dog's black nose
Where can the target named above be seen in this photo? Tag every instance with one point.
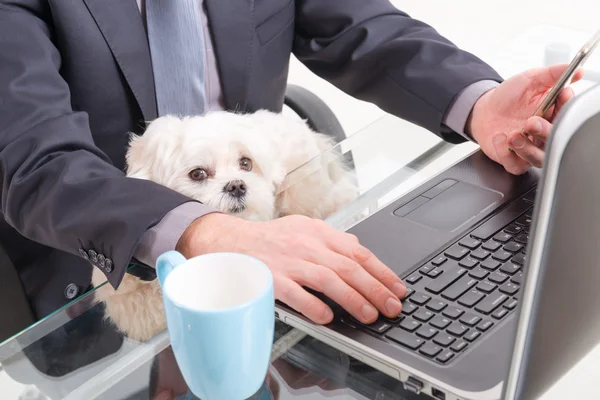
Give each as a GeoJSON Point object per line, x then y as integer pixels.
{"type": "Point", "coordinates": [236, 188]}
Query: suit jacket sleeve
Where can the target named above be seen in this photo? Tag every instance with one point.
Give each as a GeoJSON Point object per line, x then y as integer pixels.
{"type": "Point", "coordinates": [377, 53]}
{"type": "Point", "coordinates": [58, 188]}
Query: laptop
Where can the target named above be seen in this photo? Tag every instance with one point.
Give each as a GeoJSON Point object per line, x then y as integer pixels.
{"type": "Point", "coordinates": [503, 273]}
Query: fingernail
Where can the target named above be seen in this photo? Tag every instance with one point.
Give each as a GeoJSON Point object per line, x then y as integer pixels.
{"type": "Point", "coordinates": [327, 315]}
{"type": "Point", "coordinates": [399, 290]}
{"type": "Point", "coordinates": [393, 306]}
{"type": "Point", "coordinates": [500, 139]}
{"type": "Point", "coordinates": [536, 127]}
{"type": "Point", "coordinates": [518, 142]}
{"type": "Point", "coordinates": [369, 312]}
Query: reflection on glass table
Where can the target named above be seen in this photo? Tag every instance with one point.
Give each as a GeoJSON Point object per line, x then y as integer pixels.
{"type": "Point", "coordinates": [76, 353]}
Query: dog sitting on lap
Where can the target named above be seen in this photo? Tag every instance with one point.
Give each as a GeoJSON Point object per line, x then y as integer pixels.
{"type": "Point", "coordinates": [239, 164]}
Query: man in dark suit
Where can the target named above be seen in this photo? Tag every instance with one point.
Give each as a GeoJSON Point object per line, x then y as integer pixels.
{"type": "Point", "coordinates": [76, 77]}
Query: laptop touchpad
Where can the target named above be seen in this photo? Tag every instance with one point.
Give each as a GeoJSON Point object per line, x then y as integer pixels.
{"type": "Point", "coordinates": [453, 204]}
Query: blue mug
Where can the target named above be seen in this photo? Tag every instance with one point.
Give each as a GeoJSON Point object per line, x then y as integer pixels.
{"type": "Point", "coordinates": [220, 312]}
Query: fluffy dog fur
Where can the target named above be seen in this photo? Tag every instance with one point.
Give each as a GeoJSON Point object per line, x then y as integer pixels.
{"type": "Point", "coordinates": [224, 146]}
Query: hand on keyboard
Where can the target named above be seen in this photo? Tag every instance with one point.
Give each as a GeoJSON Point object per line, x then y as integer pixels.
{"type": "Point", "coordinates": [303, 252]}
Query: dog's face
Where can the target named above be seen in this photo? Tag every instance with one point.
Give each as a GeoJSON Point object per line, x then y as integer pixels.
{"type": "Point", "coordinates": [217, 159]}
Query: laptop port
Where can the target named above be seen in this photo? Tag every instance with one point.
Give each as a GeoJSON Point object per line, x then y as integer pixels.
{"type": "Point", "coordinates": [438, 394]}
{"type": "Point", "coordinates": [413, 385]}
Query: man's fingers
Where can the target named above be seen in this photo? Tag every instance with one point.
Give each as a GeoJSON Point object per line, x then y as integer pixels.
{"type": "Point", "coordinates": [510, 160]}
{"type": "Point", "coordinates": [538, 128]}
{"type": "Point", "coordinates": [373, 290]}
{"type": "Point", "coordinates": [300, 300]}
{"type": "Point", "coordinates": [547, 76]}
{"type": "Point", "coordinates": [564, 97]}
{"type": "Point", "coordinates": [328, 282]}
{"type": "Point", "coordinates": [526, 149]}
{"type": "Point", "coordinates": [348, 246]}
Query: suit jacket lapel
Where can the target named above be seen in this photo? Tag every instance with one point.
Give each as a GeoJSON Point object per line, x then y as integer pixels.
{"type": "Point", "coordinates": [232, 29]}
{"type": "Point", "coordinates": [123, 29]}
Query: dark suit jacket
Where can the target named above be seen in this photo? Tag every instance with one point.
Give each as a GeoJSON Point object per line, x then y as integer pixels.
{"type": "Point", "coordinates": [76, 78]}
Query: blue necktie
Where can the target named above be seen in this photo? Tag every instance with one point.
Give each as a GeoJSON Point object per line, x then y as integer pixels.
{"type": "Point", "coordinates": [177, 49]}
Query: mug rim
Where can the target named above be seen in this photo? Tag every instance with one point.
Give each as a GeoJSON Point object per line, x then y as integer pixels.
{"type": "Point", "coordinates": [268, 287]}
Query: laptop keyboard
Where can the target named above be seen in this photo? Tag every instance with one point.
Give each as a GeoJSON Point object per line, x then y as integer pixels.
{"type": "Point", "coordinates": [459, 296]}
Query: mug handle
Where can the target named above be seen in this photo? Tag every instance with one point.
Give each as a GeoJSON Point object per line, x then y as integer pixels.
{"type": "Point", "coordinates": [166, 263]}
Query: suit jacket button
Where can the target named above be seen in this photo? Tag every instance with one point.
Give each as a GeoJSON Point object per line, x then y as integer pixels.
{"type": "Point", "coordinates": [84, 254]}
{"type": "Point", "coordinates": [93, 256]}
{"type": "Point", "coordinates": [71, 291]}
{"type": "Point", "coordinates": [101, 260]}
{"type": "Point", "coordinates": [108, 265]}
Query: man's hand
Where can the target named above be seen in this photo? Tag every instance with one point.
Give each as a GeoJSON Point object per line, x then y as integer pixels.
{"type": "Point", "coordinates": [301, 251]}
{"type": "Point", "coordinates": [501, 114]}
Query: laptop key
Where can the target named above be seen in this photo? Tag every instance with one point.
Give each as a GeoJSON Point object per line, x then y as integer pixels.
{"type": "Point", "coordinates": [450, 276]}
{"type": "Point", "coordinates": [471, 298]}
{"type": "Point", "coordinates": [457, 329]}
{"type": "Point", "coordinates": [498, 277]}
{"type": "Point", "coordinates": [379, 326]}
{"type": "Point", "coordinates": [443, 339]}
{"type": "Point", "coordinates": [470, 319]}
{"type": "Point", "coordinates": [408, 308]}
{"type": "Point", "coordinates": [511, 304]}
{"type": "Point", "coordinates": [513, 247]}
{"type": "Point", "coordinates": [510, 268]}
{"type": "Point", "coordinates": [468, 263]}
{"type": "Point", "coordinates": [523, 221]}
{"type": "Point", "coordinates": [420, 298]}
{"type": "Point", "coordinates": [491, 245]}
{"type": "Point", "coordinates": [427, 332]}
{"type": "Point", "coordinates": [453, 312]}
{"type": "Point", "coordinates": [459, 346]}
{"type": "Point", "coordinates": [423, 315]}
{"type": "Point", "coordinates": [509, 288]}
{"type": "Point", "coordinates": [500, 313]}
{"type": "Point", "coordinates": [513, 229]}
{"type": "Point", "coordinates": [393, 321]}
{"type": "Point", "coordinates": [492, 302]}
{"type": "Point", "coordinates": [518, 278]}
{"type": "Point", "coordinates": [459, 288]}
{"type": "Point", "coordinates": [500, 220]}
{"type": "Point", "coordinates": [490, 264]}
{"type": "Point", "coordinates": [470, 243]}
{"type": "Point", "coordinates": [439, 261]}
{"type": "Point", "coordinates": [430, 350]}
{"type": "Point", "coordinates": [409, 292]}
{"type": "Point", "coordinates": [434, 273]}
{"type": "Point", "coordinates": [414, 278]}
{"type": "Point", "coordinates": [440, 322]}
{"type": "Point", "coordinates": [436, 305]}
{"type": "Point", "coordinates": [404, 338]}
{"type": "Point", "coordinates": [522, 238]}
{"type": "Point", "coordinates": [484, 325]}
{"type": "Point", "coordinates": [486, 287]}
{"type": "Point", "coordinates": [519, 259]}
{"type": "Point", "coordinates": [445, 357]}
{"type": "Point", "coordinates": [410, 324]}
{"type": "Point", "coordinates": [502, 255]}
{"type": "Point", "coordinates": [426, 269]}
{"type": "Point", "coordinates": [503, 237]}
{"type": "Point", "coordinates": [479, 273]}
{"type": "Point", "coordinates": [472, 335]}
{"type": "Point", "coordinates": [480, 254]}
{"type": "Point", "coordinates": [457, 252]}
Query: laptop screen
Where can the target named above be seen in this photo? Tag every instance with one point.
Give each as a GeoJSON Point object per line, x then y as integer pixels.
{"type": "Point", "coordinates": [559, 312]}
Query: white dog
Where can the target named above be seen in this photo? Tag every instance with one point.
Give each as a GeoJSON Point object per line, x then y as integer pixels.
{"type": "Point", "coordinates": [236, 163]}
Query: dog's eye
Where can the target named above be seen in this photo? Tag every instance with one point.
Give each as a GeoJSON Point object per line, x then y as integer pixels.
{"type": "Point", "coordinates": [198, 174]}
{"type": "Point", "coordinates": [246, 164]}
